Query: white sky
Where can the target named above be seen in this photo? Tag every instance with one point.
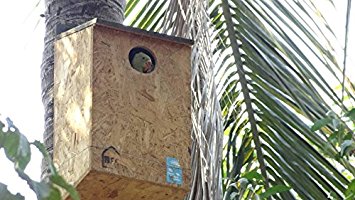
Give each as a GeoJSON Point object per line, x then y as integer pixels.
{"type": "Point", "coordinates": [21, 45]}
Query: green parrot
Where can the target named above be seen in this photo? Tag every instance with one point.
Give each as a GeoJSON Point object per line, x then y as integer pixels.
{"type": "Point", "coordinates": [142, 62]}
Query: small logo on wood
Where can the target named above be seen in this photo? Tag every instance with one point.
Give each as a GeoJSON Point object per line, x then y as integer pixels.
{"type": "Point", "coordinates": [109, 156]}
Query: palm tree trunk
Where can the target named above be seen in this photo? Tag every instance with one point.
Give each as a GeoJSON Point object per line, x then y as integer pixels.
{"type": "Point", "coordinates": [61, 15]}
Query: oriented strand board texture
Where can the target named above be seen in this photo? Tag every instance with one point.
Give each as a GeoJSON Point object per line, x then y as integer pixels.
{"type": "Point", "coordinates": [107, 186]}
{"type": "Point", "coordinates": [146, 117]}
{"type": "Point", "coordinates": [73, 104]}
{"type": "Point", "coordinates": [114, 126]}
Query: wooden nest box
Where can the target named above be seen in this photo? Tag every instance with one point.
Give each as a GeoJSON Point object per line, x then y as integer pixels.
{"type": "Point", "coordinates": [121, 133]}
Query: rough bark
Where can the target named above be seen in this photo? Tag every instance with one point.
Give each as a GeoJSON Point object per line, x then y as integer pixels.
{"type": "Point", "coordinates": [61, 15]}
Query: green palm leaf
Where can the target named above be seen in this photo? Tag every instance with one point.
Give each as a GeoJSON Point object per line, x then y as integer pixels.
{"type": "Point", "coordinates": [283, 89]}
{"type": "Point", "coordinates": [275, 70]}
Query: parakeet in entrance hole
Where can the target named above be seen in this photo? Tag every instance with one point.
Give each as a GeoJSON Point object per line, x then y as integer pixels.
{"type": "Point", "coordinates": [142, 62]}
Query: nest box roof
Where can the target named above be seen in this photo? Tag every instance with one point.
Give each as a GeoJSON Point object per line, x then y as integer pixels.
{"type": "Point", "coordinates": [121, 27]}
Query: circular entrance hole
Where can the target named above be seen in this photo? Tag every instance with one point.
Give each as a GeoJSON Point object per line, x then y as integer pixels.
{"type": "Point", "coordinates": [142, 59]}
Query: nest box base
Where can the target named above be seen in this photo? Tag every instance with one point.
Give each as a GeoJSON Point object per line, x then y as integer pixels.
{"type": "Point", "coordinates": [102, 185]}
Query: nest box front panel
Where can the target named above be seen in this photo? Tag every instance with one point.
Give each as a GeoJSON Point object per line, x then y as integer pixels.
{"type": "Point", "coordinates": [141, 120]}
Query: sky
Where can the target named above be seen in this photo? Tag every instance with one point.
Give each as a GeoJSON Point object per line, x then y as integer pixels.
{"type": "Point", "coordinates": [21, 46]}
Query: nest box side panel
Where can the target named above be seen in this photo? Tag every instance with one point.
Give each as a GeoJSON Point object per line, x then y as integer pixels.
{"type": "Point", "coordinates": [142, 119]}
{"type": "Point", "coordinates": [73, 104]}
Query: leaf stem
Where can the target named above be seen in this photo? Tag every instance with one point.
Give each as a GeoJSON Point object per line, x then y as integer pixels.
{"type": "Point", "coordinates": [243, 81]}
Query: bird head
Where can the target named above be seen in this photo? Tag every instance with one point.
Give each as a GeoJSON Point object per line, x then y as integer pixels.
{"type": "Point", "coordinates": [142, 62]}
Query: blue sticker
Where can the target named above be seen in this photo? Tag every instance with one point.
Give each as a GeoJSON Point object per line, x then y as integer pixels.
{"type": "Point", "coordinates": [173, 171]}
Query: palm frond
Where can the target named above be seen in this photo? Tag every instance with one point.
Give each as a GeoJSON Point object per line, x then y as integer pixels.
{"type": "Point", "coordinates": [283, 61]}
{"type": "Point", "coordinates": [346, 46]}
{"type": "Point", "coordinates": [276, 71]}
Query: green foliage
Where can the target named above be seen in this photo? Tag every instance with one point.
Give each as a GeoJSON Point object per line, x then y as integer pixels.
{"type": "Point", "coordinates": [350, 191]}
{"type": "Point", "coordinates": [274, 190]}
{"type": "Point", "coordinates": [252, 186]}
{"type": "Point", "coordinates": [321, 123]}
{"type": "Point", "coordinates": [351, 114]}
{"type": "Point", "coordinates": [283, 53]}
{"type": "Point", "coordinates": [17, 150]}
{"type": "Point", "coordinates": [5, 194]}
{"type": "Point", "coordinates": [342, 138]}
{"type": "Point", "coordinates": [16, 146]}
{"type": "Point", "coordinates": [271, 59]}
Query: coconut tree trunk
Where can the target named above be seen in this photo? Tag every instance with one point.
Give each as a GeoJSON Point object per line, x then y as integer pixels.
{"type": "Point", "coordinates": [61, 15]}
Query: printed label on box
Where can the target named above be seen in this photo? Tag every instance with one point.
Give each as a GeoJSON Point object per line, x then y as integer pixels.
{"type": "Point", "coordinates": [173, 171]}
